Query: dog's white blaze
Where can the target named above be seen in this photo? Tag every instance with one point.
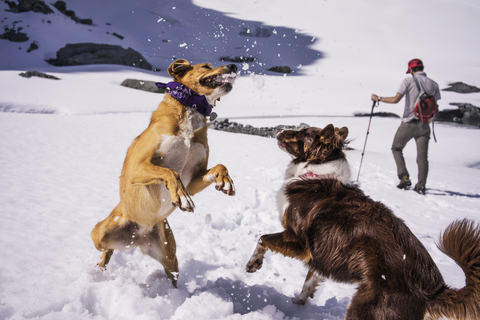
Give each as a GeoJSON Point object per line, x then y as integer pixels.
{"type": "Point", "coordinates": [217, 93]}
{"type": "Point", "coordinates": [180, 154]}
{"type": "Point", "coordinates": [340, 169]}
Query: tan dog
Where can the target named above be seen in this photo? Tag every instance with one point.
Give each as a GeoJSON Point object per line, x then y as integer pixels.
{"type": "Point", "coordinates": [170, 154]}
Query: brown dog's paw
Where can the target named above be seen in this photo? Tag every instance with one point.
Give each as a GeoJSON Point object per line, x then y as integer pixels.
{"type": "Point", "coordinates": [254, 264]}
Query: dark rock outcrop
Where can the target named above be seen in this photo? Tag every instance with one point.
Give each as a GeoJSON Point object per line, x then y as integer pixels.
{"type": "Point", "coordinates": [14, 35]}
{"type": "Point", "coordinates": [118, 36]}
{"type": "Point", "coordinates": [142, 85]}
{"type": "Point", "coordinates": [269, 132]}
{"type": "Point", "coordinates": [449, 115]}
{"type": "Point", "coordinates": [29, 5]}
{"type": "Point", "coordinates": [92, 53]}
{"type": "Point", "coordinates": [29, 74]}
{"type": "Point", "coordinates": [281, 69]}
{"type": "Point", "coordinates": [470, 114]}
{"type": "Point", "coordinates": [33, 46]}
{"type": "Point", "coordinates": [378, 114]}
{"type": "Point", "coordinates": [461, 87]}
{"type": "Point", "coordinates": [62, 7]}
{"type": "Point", "coordinates": [237, 59]}
{"type": "Point", "coordinates": [258, 32]}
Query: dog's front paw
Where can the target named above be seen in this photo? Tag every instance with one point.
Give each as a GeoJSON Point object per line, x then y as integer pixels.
{"type": "Point", "coordinates": [185, 203]}
{"type": "Point", "coordinates": [254, 266]}
{"type": "Point", "coordinates": [222, 179]}
{"type": "Point", "coordinates": [180, 197]}
{"type": "Point", "coordinates": [256, 261]}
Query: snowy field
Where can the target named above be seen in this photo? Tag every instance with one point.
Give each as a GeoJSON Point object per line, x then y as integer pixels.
{"type": "Point", "coordinates": [63, 142]}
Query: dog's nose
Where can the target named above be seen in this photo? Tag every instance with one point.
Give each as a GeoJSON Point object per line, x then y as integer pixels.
{"type": "Point", "coordinates": [232, 67]}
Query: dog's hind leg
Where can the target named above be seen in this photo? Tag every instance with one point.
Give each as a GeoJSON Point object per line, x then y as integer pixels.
{"type": "Point", "coordinates": [309, 287]}
{"type": "Point", "coordinates": [276, 242]}
{"type": "Point", "coordinates": [109, 234]}
{"type": "Point", "coordinates": [105, 259]}
{"type": "Point", "coordinates": [160, 245]}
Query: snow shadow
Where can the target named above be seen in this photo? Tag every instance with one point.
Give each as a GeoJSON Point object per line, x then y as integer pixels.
{"type": "Point", "coordinates": [439, 192]}
{"type": "Point", "coordinates": [198, 35]}
{"type": "Point", "coordinates": [245, 298]}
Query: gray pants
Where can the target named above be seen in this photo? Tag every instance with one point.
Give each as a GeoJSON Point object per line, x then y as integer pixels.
{"type": "Point", "coordinates": [421, 133]}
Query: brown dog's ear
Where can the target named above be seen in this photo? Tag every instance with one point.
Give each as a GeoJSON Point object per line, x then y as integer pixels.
{"type": "Point", "coordinates": [341, 133]}
{"type": "Point", "coordinates": [327, 134]}
{"type": "Point", "coordinates": [178, 68]}
{"type": "Point", "coordinates": [309, 137]}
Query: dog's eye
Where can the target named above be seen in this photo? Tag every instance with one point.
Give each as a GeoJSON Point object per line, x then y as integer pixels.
{"type": "Point", "coordinates": [207, 67]}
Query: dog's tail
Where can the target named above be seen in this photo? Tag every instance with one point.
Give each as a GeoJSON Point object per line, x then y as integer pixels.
{"type": "Point", "coordinates": [461, 242]}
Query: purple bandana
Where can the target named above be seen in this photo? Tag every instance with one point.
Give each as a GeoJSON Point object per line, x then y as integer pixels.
{"type": "Point", "coordinates": [187, 97]}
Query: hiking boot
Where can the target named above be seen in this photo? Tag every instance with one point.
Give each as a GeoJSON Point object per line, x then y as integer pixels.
{"type": "Point", "coordinates": [404, 183]}
{"type": "Point", "coordinates": [419, 190]}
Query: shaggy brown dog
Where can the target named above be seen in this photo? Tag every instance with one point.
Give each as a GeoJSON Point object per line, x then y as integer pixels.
{"type": "Point", "coordinates": [341, 233]}
{"type": "Point", "coordinates": [170, 154]}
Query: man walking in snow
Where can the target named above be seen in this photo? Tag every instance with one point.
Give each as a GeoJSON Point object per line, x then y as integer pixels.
{"type": "Point", "coordinates": [411, 126]}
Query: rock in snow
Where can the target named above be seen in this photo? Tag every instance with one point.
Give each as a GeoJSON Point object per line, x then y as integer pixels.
{"type": "Point", "coordinates": [93, 53]}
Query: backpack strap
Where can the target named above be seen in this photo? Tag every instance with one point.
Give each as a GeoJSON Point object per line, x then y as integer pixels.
{"type": "Point", "coordinates": [422, 91]}
{"type": "Point", "coordinates": [418, 85]}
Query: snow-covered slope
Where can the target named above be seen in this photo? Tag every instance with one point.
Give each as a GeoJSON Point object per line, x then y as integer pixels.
{"type": "Point", "coordinates": [60, 162]}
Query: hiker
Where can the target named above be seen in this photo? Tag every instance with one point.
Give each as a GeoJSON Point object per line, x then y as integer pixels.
{"type": "Point", "coordinates": [411, 126]}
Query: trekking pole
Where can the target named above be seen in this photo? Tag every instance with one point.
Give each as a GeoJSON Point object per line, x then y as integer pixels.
{"type": "Point", "coordinates": [368, 131]}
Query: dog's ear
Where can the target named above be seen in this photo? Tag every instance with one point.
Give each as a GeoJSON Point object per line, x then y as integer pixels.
{"type": "Point", "coordinates": [322, 145]}
{"type": "Point", "coordinates": [309, 137]}
{"type": "Point", "coordinates": [341, 134]}
{"type": "Point", "coordinates": [327, 134]}
{"type": "Point", "coordinates": [178, 68]}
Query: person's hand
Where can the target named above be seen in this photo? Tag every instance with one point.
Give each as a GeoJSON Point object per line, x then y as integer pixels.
{"type": "Point", "coordinates": [375, 97]}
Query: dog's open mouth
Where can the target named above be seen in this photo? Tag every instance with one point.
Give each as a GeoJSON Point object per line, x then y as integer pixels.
{"type": "Point", "coordinates": [218, 80]}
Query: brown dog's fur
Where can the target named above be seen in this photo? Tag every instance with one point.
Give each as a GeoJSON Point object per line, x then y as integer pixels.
{"type": "Point", "coordinates": [170, 154]}
{"type": "Point", "coordinates": [342, 234]}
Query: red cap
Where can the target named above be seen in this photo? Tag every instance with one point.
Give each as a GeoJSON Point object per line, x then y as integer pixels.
{"type": "Point", "coordinates": [414, 63]}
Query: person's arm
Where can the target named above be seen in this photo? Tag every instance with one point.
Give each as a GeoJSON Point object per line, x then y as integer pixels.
{"type": "Point", "coordinates": [395, 99]}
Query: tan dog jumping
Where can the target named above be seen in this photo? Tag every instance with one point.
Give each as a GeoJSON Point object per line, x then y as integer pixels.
{"type": "Point", "coordinates": [170, 154]}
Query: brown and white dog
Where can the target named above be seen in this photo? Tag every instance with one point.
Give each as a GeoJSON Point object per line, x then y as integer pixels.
{"type": "Point", "coordinates": [342, 234]}
{"type": "Point", "coordinates": [164, 166]}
